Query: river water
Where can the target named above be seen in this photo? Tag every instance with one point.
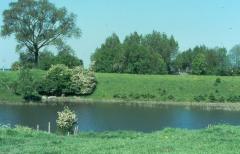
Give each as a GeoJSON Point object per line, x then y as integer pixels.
{"type": "Point", "coordinates": [111, 117]}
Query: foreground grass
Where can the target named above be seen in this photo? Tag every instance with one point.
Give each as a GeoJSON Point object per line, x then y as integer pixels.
{"type": "Point", "coordinates": [217, 139]}
{"type": "Point", "coordinates": [166, 88]}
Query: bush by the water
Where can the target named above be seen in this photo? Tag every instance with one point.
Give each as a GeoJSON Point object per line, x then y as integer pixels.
{"type": "Point", "coordinates": [26, 86]}
{"type": "Point", "coordinates": [56, 82]}
{"type": "Point", "coordinates": [199, 98]}
{"type": "Point", "coordinates": [212, 98]}
{"type": "Point", "coordinates": [66, 120]}
{"type": "Point", "coordinates": [234, 99]}
{"type": "Point", "coordinates": [83, 82]}
{"type": "Point", "coordinates": [60, 80]}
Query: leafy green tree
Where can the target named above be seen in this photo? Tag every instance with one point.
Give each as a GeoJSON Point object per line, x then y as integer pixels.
{"type": "Point", "coordinates": [166, 46]}
{"type": "Point", "coordinates": [66, 56]}
{"type": "Point", "coordinates": [27, 86]}
{"type": "Point", "coordinates": [131, 56]}
{"type": "Point", "coordinates": [37, 24]}
{"type": "Point", "coordinates": [216, 60]}
{"type": "Point", "coordinates": [183, 61]}
{"type": "Point", "coordinates": [108, 58]}
{"type": "Point", "coordinates": [199, 64]}
{"type": "Point", "coordinates": [46, 60]}
{"type": "Point", "coordinates": [26, 59]}
{"type": "Point", "coordinates": [235, 56]}
{"type": "Point", "coordinates": [139, 60]}
{"type": "Point", "coordinates": [222, 66]}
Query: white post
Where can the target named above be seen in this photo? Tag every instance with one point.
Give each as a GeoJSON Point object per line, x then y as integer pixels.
{"type": "Point", "coordinates": [37, 127]}
{"type": "Point", "coordinates": [75, 130]}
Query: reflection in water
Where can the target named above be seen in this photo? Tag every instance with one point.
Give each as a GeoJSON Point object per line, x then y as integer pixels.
{"type": "Point", "coordinates": [103, 117]}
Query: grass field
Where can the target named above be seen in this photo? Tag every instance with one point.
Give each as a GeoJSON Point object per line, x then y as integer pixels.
{"type": "Point", "coordinates": [186, 88]}
{"type": "Point", "coordinates": [165, 88]}
{"type": "Point", "coordinates": [6, 78]}
{"type": "Point", "coordinates": [214, 140]}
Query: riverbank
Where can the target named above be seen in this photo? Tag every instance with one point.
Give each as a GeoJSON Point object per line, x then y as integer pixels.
{"type": "Point", "coordinates": [68, 101]}
{"type": "Point", "coordinates": [216, 139]}
{"type": "Point", "coordinates": [204, 105]}
{"type": "Point", "coordinates": [144, 89]}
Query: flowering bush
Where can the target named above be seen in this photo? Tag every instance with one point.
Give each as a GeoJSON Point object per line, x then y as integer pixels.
{"type": "Point", "coordinates": [60, 80]}
{"type": "Point", "coordinates": [66, 120]}
{"type": "Point", "coordinates": [83, 82]}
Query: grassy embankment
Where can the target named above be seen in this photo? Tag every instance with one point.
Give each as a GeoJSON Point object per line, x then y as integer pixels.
{"type": "Point", "coordinates": [6, 79]}
{"type": "Point", "coordinates": [217, 139]}
{"type": "Point", "coordinates": [157, 88]}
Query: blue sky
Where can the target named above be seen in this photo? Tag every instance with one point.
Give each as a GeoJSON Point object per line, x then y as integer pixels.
{"type": "Point", "coordinates": [191, 22]}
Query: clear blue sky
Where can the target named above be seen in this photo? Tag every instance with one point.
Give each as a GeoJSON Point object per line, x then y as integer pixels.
{"type": "Point", "coordinates": [192, 22]}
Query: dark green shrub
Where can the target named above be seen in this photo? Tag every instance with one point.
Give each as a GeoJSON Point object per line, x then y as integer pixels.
{"type": "Point", "coordinates": [134, 96]}
{"type": "Point", "coordinates": [116, 96]}
{"type": "Point", "coordinates": [234, 99]}
{"type": "Point", "coordinates": [123, 96]}
{"type": "Point", "coordinates": [120, 96]}
{"type": "Point", "coordinates": [221, 99]}
{"type": "Point", "coordinates": [218, 80]}
{"type": "Point", "coordinates": [137, 96]}
{"type": "Point", "coordinates": [212, 98]}
{"type": "Point", "coordinates": [171, 97]}
{"type": "Point", "coordinates": [26, 86]}
{"type": "Point", "coordinates": [57, 81]}
{"type": "Point", "coordinates": [14, 87]}
{"type": "Point", "coordinates": [147, 96]}
{"type": "Point", "coordinates": [162, 92]}
{"type": "Point", "coordinates": [199, 98]}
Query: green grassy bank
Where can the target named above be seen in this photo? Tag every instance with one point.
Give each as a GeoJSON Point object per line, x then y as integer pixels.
{"type": "Point", "coordinates": [217, 139]}
{"type": "Point", "coordinates": [166, 87]}
{"type": "Point", "coordinates": [158, 88]}
{"type": "Point", "coordinates": [6, 79]}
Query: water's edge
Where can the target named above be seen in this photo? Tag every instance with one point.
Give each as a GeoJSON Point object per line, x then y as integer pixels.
{"type": "Point", "coordinates": [227, 106]}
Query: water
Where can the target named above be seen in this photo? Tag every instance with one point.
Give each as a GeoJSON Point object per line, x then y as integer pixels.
{"type": "Point", "coordinates": [109, 117]}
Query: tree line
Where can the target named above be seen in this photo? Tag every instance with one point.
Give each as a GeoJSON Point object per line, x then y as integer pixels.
{"type": "Point", "coordinates": [157, 53]}
{"type": "Point", "coordinates": [149, 54]}
{"type": "Point", "coordinates": [66, 55]}
{"type": "Point", "coordinates": [37, 25]}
